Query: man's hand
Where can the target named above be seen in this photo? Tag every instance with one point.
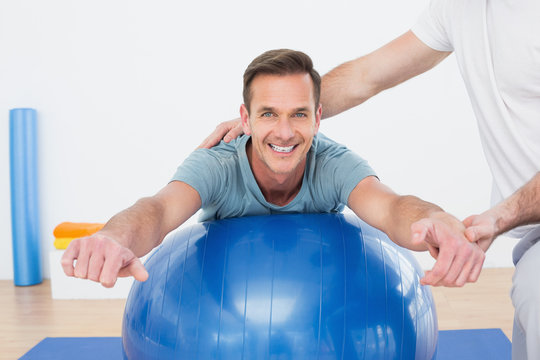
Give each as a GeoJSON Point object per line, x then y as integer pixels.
{"type": "Point", "coordinates": [481, 229]}
{"type": "Point", "coordinates": [458, 260]}
{"type": "Point", "coordinates": [226, 131]}
{"type": "Point", "coordinates": [101, 259]}
{"type": "Point", "coordinates": [521, 208]}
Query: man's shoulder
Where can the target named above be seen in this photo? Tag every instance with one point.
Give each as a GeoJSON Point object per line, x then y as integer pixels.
{"type": "Point", "coordinates": [230, 150]}
{"type": "Point", "coordinates": [231, 146]}
{"type": "Point", "coordinates": [323, 145]}
{"type": "Point", "coordinates": [326, 151]}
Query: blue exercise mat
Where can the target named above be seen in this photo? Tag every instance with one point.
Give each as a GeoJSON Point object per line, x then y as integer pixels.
{"type": "Point", "coordinates": [80, 348]}
{"type": "Point", "coordinates": [473, 345]}
{"type": "Point", "coordinates": [478, 344]}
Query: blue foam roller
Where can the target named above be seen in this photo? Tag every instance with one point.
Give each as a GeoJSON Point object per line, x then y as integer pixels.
{"type": "Point", "coordinates": [24, 197]}
{"type": "Point", "coordinates": [303, 286]}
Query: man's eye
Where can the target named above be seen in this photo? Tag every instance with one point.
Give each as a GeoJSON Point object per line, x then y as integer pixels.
{"type": "Point", "coordinates": [267, 114]}
{"type": "Point", "coordinates": [300, 115]}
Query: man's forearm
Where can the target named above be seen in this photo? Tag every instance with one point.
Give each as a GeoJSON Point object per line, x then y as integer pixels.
{"type": "Point", "coordinates": [521, 208]}
{"type": "Point", "coordinates": [406, 211]}
{"type": "Point", "coordinates": [138, 227]}
{"type": "Point", "coordinates": [114, 251]}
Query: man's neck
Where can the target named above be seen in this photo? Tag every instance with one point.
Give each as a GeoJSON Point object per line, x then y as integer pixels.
{"type": "Point", "coordinates": [277, 189]}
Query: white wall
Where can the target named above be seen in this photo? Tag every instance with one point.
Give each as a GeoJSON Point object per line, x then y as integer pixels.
{"type": "Point", "coordinates": [126, 89]}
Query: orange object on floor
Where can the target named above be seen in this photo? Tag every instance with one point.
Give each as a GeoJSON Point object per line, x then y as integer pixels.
{"type": "Point", "coordinates": [76, 230]}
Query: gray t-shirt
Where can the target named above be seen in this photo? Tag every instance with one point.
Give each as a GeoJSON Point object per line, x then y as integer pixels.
{"type": "Point", "coordinates": [223, 178]}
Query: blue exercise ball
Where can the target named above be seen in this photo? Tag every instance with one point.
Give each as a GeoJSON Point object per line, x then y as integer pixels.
{"type": "Point", "coordinates": [302, 286]}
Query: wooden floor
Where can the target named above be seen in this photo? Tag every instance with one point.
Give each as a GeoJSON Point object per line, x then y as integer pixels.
{"type": "Point", "coordinates": [29, 314]}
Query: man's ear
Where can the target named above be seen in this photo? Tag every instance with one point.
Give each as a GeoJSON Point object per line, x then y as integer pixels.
{"type": "Point", "coordinates": [244, 116]}
{"type": "Point", "coordinates": [318, 116]}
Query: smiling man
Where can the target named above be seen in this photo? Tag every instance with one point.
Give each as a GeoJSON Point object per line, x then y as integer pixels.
{"type": "Point", "coordinates": [285, 120]}
{"type": "Point", "coordinates": [282, 165]}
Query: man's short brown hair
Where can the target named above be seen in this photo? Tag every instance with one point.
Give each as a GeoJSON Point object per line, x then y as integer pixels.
{"type": "Point", "coordinates": [281, 62]}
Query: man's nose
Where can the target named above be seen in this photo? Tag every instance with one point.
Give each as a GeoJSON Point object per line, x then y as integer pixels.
{"type": "Point", "coordinates": [284, 129]}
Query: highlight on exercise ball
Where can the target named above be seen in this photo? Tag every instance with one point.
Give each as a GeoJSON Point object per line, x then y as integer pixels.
{"type": "Point", "coordinates": [24, 197]}
{"type": "Point", "coordinates": [302, 286]}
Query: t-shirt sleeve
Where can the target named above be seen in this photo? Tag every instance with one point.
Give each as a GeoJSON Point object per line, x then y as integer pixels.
{"type": "Point", "coordinates": [349, 172]}
{"type": "Point", "coordinates": [341, 170]}
{"type": "Point", "coordinates": [432, 26]}
{"type": "Point", "coordinates": [204, 171]}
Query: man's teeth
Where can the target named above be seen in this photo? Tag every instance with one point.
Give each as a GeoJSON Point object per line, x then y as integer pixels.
{"type": "Point", "coordinates": [282, 149]}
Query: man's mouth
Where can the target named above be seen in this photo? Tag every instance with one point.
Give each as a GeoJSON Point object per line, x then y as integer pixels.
{"type": "Point", "coordinates": [282, 149]}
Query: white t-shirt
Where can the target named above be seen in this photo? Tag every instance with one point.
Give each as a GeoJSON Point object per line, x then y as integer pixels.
{"type": "Point", "coordinates": [497, 46]}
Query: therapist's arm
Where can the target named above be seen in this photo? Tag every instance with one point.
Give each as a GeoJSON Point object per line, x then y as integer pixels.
{"type": "Point", "coordinates": [353, 82]}
{"type": "Point", "coordinates": [521, 208]}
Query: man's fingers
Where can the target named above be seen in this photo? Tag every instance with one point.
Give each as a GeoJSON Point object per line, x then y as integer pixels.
{"type": "Point", "coordinates": [95, 266]}
{"type": "Point", "coordinates": [484, 244]}
{"type": "Point", "coordinates": [118, 260]}
{"type": "Point", "coordinates": [464, 275]}
{"type": "Point", "coordinates": [138, 270]}
{"type": "Point", "coordinates": [225, 131]}
{"type": "Point", "coordinates": [478, 233]}
{"type": "Point", "coordinates": [203, 145]}
{"type": "Point", "coordinates": [469, 220]}
{"type": "Point", "coordinates": [440, 269]}
{"type": "Point", "coordinates": [473, 233]}
{"type": "Point", "coordinates": [210, 141]}
{"type": "Point", "coordinates": [475, 272]}
{"type": "Point", "coordinates": [480, 228]}
{"type": "Point", "coordinates": [471, 270]}
{"type": "Point", "coordinates": [433, 251]}
{"type": "Point", "coordinates": [464, 257]}
{"type": "Point", "coordinates": [70, 255]}
{"type": "Point", "coordinates": [81, 266]}
{"type": "Point", "coordinates": [424, 279]}
{"type": "Point", "coordinates": [466, 267]}
{"type": "Point", "coordinates": [233, 133]}
{"type": "Point", "coordinates": [135, 269]}
{"type": "Point", "coordinates": [419, 231]}
{"type": "Point", "coordinates": [113, 269]}
{"type": "Point", "coordinates": [101, 259]}
{"type": "Point", "coordinates": [109, 273]}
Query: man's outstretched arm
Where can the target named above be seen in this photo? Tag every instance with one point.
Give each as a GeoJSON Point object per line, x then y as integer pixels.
{"type": "Point", "coordinates": [114, 251]}
{"type": "Point", "coordinates": [521, 208]}
{"type": "Point", "coordinates": [419, 225]}
{"type": "Point", "coordinates": [353, 82]}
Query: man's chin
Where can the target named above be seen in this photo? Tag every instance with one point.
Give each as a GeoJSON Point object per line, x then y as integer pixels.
{"type": "Point", "coordinates": [283, 171]}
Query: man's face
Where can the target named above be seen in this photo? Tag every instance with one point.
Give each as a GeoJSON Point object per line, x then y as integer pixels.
{"type": "Point", "coordinates": [282, 122]}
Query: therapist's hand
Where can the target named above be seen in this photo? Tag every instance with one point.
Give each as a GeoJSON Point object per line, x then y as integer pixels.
{"type": "Point", "coordinates": [481, 229]}
{"type": "Point", "coordinates": [226, 131]}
